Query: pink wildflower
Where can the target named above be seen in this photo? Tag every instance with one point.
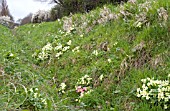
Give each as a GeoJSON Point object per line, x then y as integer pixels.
{"type": "Point", "coordinates": [85, 88]}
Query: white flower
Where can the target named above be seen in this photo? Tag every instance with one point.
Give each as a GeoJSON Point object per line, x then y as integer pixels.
{"type": "Point", "coordinates": [95, 52]}
{"type": "Point", "coordinates": [166, 99]}
{"type": "Point", "coordinates": [101, 77]}
{"type": "Point", "coordinates": [81, 95]}
{"type": "Point", "coordinates": [147, 97]}
{"type": "Point", "coordinates": [11, 55]}
{"type": "Point", "coordinates": [151, 82]}
{"type": "Point", "coordinates": [47, 47]}
{"type": "Point", "coordinates": [165, 83]}
{"type": "Point", "coordinates": [76, 49]}
{"type": "Point", "coordinates": [87, 77]}
{"type": "Point", "coordinates": [81, 35]}
{"type": "Point", "coordinates": [44, 101]}
{"type": "Point", "coordinates": [31, 90]}
{"type": "Point", "coordinates": [58, 54]}
{"type": "Point", "coordinates": [138, 90]}
{"type": "Point", "coordinates": [34, 55]}
{"type": "Point", "coordinates": [160, 96]}
{"type": "Point", "coordinates": [35, 95]}
{"type": "Point", "coordinates": [148, 84]}
{"type": "Point", "coordinates": [63, 85]}
{"type": "Point", "coordinates": [139, 24]}
{"type": "Point", "coordinates": [165, 106]}
{"type": "Point", "coordinates": [158, 82]}
{"type": "Point", "coordinates": [69, 42]}
{"type": "Point", "coordinates": [115, 43]}
{"type": "Point", "coordinates": [66, 48]}
{"type": "Point", "coordinates": [144, 93]}
{"type": "Point", "coordinates": [148, 78]}
{"type": "Point", "coordinates": [84, 80]}
{"type": "Point", "coordinates": [168, 75]}
{"type": "Point", "coordinates": [59, 46]}
{"type": "Point", "coordinates": [164, 89]}
{"type": "Point", "coordinates": [88, 92]}
{"type": "Point", "coordinates": [169, 96]}
{"type": "Point", "coordinates": [138, 95]}
{"type": "Point", "coordinates": [144, 87]}
{"type": "Point", "coordinates": [109, 60]}
{"type": "Point", "coordinates": [143, 80]}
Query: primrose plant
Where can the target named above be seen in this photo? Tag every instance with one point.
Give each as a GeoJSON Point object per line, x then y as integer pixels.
{"type": "Point", "coordinates": [44, 53]}
{"type": "Point", "coordinates": [83, 86]}
{"type": "Point", "coordinates": [58, 48]}
{"type": "Point", "coordinates": [35, 99]}
{"type": "Point", "coordinates": [62, 88]}
{"type": "Point", "coordinates": [155, 91]}
{"type": "Point", "coordinates": [61, 49]}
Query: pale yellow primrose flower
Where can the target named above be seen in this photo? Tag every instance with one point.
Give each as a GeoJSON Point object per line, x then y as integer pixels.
{"type": "Point", "coordinates": [62, 87]}
{"type": "Point", "coordinates": [66, 48]}
{"type": "Point", "coordinates": [109, 60]}
{"type": "Point", "coordinates": [101, 77]}
{"type": "Point", "coordinates": [95, 52]}
{"type": "Point", "coordinates": [69, 42]}
{"type": "Point", "coordinates": [59, 46]}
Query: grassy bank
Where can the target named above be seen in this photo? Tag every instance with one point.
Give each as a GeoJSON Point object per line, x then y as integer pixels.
{"type": "Point", "coordinates": [92, 61]}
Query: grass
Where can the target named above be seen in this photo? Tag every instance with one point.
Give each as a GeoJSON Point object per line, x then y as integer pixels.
{"type": "Point", "coordinates": [123, 49]}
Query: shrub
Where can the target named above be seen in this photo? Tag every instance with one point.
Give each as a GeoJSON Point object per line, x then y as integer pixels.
{"type": "Point", "coordinates": [26, 19]}
{"type": "Point", "coordinates": [5, 20]}
{"type": "Point", "coordinates": [41, 16]}
{"type": "Point", "coordinates": [66, 7]}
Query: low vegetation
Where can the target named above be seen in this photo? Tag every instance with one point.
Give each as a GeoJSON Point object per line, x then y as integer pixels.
{"type": "Point", "coordinates": [115, 58]}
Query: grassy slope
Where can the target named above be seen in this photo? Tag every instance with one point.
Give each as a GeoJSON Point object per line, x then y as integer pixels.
{"type": "Point", "coordinates": [121, 76]}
